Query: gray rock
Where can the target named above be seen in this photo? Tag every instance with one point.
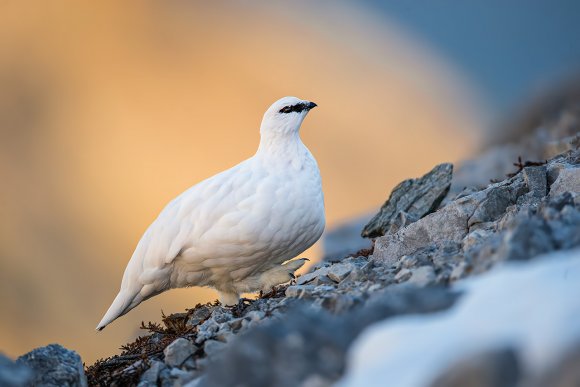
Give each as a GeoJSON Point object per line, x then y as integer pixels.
{"type": "Point", "coordinates": [251, 318]}
{"type": "Point", "coordinates": [165, 379]}
{"type": "Point", "coordinates": [553, 225]}
{"type": "Point", "coordinates": [413, 198]}
{"type": "Point", "coordinates": [527, 240]}
{"type": "Point", "coordinates": [221, 315]}
{"type": "Point", "coordinates": [475, 238]}
{"type": "Point", "coordinates": [568, 180]}
{"type": "Point", "coordinates": [321, 280]}
{"type": "Point", "coordinates": [151, 376]}
{"type": "Point", "coordinates": [497, 368]}
{"type": "Point", "coordinates": [447, 224]}
{"type": "Point", "coordinates": [407, 262]}
{"type": "Point", "coordinates": [299, 291]}
{"type": "Point", "coordinates": [134, 367]}
{"type": "Point", "coordinates": [235, 324]}
{"type": "Point", "coordinates": [55, 365]}
{"type": "Point", "coordinates": [403, 275]}
{"type": "Point", "coordinates": [313, 277]}
{"type": "Point", "coordinates": [200, 315]}
{"type": "Point", "coordinates": [14, 374]}
{"type": "Point", "coordinates": [536, 180]}
{"type": "Point", "coordinates": [362, 272]}
{"type": "Point", "coordinates": [497, 199]}
{"type": "Point", "coordinates": [338, 272]}
{"type": "Point", "coordinates": [182, 377]}
{"type": "Point", "coordinates": [254, 315]}
{"type": "Point", "coordinates": [510, 220]}
{"type": "Point", "coordinates": [401, 220]}
{"type": "Point", "coordinates": [339, 303]}
{"type": "Point", "coordinates": [323, 289]}
{"type": "Point", "coordinates": [563, 222]}
{"type": "Point", "coordinates": [423, 276]}
{"type": "Point", "coordinates": [213, 347]}
{"type": "Point", "coordinates": [310, 342]}
{"type": "Point", "coordinates": [459, 271]}
{"type": "Point", "coordinates": [178, 351]}
{"type": "Point", "coordinates": [207, 330]}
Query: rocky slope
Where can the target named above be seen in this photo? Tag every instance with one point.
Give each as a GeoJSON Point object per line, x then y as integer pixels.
{"type": "Point", "coordinates": [431, 235]}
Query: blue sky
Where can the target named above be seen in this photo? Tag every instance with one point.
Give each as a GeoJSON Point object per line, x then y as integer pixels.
{"type": "Point", "coordinates": [509, 50]}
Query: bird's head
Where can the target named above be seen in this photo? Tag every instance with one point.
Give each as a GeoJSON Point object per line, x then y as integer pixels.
{"type": "Point", "coordinates": [285, 116]}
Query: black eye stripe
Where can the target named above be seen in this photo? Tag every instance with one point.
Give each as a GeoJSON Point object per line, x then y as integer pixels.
{"type": "Point", "coordinates": [293, 108]}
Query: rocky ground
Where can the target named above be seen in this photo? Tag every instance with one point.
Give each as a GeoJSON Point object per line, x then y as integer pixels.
{"type": "Point", "coordinates": [430, 235]}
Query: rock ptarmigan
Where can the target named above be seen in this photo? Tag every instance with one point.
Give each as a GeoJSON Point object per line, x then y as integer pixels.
{"type": "Point", "coordinates": [238, 230]}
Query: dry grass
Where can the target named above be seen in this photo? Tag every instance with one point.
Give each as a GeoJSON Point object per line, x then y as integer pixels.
{"type": "Point", "coordinates": [125, 369]}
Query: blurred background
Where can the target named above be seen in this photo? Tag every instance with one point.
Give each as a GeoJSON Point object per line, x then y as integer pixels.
{"type": "Point", "coordinates": [109, 109]}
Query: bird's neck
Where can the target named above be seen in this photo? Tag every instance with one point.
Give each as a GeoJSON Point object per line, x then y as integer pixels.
{"type": "Point", "coordinates": [280, 146]}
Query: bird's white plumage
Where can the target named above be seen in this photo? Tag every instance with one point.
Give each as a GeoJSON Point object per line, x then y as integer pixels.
{"type": "Point", "coordinates": [235, 230]}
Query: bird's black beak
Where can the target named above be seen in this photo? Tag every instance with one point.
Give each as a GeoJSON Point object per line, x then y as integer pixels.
{"type": "Point", "coordinates": [311, 105]}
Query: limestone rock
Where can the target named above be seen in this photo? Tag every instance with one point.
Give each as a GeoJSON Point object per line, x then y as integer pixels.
{"type": "Point", "coordinates": [310, 342]}
{"type": "Point", "coordinates": [55, 365]}
{"type": "Point", "coordinates": [340, 272]}
{"type": "Point", "coordinates": [149, 377]}
{"type": "Point", "coordinates": [411, 200]}
{"type": "Point", "coordinates": [568, 180]}
{"type": "Point", "coordinates": [213, 347]}
{"type": "Point", "coordinates": [447, 224]}
{"type": "Point", "coordinates": [178, 351]}
{"type": "Point", "coordinates": [299, 291]}
{"type": "Point", "coordinates": [200, 315]}
{"type": "Point", "coordinates": [423, 276]}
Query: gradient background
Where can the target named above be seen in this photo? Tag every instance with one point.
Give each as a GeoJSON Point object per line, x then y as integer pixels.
{"type": "Point", "coordinates": [110, 109]}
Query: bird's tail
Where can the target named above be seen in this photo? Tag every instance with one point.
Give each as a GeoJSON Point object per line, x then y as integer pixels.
{"type": "Point", "coordinates": [123, 303]}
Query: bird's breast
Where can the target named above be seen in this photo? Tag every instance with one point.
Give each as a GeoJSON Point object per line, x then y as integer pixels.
{"type": "Point", "coordinates": [267, 216]}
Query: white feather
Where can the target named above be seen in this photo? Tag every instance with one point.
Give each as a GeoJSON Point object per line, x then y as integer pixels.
{"type": "Point", "coordinates": [234, 231]}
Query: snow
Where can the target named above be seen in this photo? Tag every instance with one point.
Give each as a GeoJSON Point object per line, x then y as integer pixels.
{"type": "Point", "coordinates": [533, 307]}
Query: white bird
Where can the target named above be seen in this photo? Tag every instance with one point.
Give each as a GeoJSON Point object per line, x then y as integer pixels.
{"type": "Point", "coordinates": [236, 231]}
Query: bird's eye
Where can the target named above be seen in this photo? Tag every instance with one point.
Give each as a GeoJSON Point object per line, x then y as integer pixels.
{"type": "Point", "coordinates": [293, 108]}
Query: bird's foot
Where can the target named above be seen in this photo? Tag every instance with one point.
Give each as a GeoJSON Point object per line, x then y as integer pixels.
{"type": "Point", "coordinates": [292, 266]}
{"type": "Point", "coordinates": [271, 294]}
{"type": "Point", "coordinates": [238, 309]}
{"type": "Point", "coordinates": [280, 275]}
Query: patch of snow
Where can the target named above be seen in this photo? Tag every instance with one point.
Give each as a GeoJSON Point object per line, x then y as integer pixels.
{"type": "Point", "coordinates": [533, 307]}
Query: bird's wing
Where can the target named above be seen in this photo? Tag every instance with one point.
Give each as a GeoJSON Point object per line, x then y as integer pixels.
{"type": "Point", "coordinates": [186, 218]}
{"type": "Point", "coordinates": [192, 213]}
